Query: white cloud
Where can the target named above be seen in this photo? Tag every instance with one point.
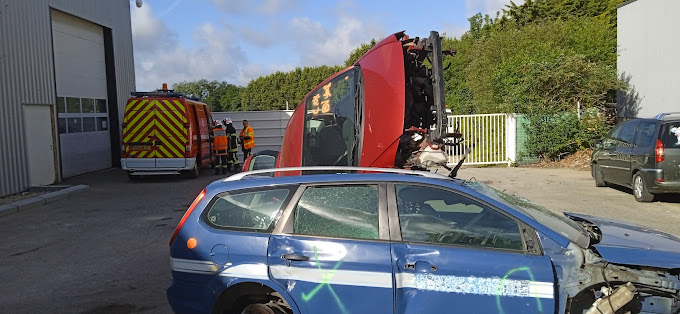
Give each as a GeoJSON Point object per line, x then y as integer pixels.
{"type": "Point", "coordinates": [453, 30]}
{"type": "Point", "coordinates": [268, 7]}
{"type": "Point", "coordinates": [318, 45]}
{"type": "Point", "coordinates": [261, 39]}
{"type": "Point", "coordinates": [160, 58]}
{"type": "Point", "coordinates": [489, 7]}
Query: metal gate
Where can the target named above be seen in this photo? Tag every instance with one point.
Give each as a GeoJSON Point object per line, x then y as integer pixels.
{"type": "Point", "coordinates": [492, 138]}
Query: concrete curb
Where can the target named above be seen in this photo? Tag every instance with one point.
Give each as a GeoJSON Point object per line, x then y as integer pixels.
{"type": "Point", "coordinates": [43, 199]}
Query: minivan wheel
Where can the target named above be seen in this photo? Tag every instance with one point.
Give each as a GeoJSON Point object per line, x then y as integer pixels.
{"type": "Point", "coordinates": [597, 174]}
{"type": "Point", "coordinates": [640, 189]}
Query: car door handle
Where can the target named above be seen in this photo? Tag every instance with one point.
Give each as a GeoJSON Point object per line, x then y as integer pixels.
{"type": "Point", "coordinates": [295, 257]}
{"type": "Point", "coordinates": [422, 266]}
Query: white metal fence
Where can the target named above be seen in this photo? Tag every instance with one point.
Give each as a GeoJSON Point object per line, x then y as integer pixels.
{"type": "Point", "coordinates": [492, 138]}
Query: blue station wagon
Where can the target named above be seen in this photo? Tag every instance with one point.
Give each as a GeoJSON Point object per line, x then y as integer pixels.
{"type": "Point", "coordinates": [401, 241]}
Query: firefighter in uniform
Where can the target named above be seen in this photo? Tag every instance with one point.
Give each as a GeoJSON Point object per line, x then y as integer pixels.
{"type": "Point", "coordinates": [220, 145]}
{"type": "Point", "coordinates": [232, 145]}
{"type": "Point", "coordinates": [247, 139]}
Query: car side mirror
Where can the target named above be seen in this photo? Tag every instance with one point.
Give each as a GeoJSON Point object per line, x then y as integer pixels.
{"type": "Point", "coordinates": [598, 143]}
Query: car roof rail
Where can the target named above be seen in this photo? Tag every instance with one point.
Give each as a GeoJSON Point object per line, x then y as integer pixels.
{"type": "Point", "coordinates": [427, 174]}
{"type": "Point", "coordinates": [661, 116]}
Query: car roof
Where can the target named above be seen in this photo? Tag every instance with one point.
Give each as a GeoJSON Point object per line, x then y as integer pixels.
{"type": "Point", "coordinates": [248, 180]}
{"type": "Point", "coordinates": [253, 181]}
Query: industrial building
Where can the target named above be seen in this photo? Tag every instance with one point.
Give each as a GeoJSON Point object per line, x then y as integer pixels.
{"type": "Point", "coordinates": [66, 71]}
{"type": "Point", "coordinates": [648, 57]}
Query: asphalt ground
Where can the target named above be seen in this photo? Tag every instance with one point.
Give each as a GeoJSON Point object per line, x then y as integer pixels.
{"type": "Point", "coordinates": [105, 250]}
{"type": "Point", "coordinates": [101, 251]}
{"type": "Point", "coordinates": [569, 190]}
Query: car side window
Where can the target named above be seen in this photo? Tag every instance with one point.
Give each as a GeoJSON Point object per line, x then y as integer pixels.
{"type": "Point", "coordinates": [338, 211]}
{"type": "Point", "coordinates": [645, 134]}
{"type": "Point", "coordinates": [438, 216]}
{"type": "Point", "coordinates": [249, 211]}
{"type": "Point", "coordinates": [628, 133]}
{"type": "Point", "coordinates": [610, 140]}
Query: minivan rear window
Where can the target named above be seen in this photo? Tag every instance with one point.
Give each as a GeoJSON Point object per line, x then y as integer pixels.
{"type": "Point", "coordinates": [248, 211]}
{"type": "Point", "coordinates": [670, 135]}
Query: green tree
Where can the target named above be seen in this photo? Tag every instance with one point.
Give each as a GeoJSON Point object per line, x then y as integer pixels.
{"type": "Point", "coordinates": [359, 52]}
{"type": "Point", "coordinates": [271, 92]}
{"type": "Point", "coordinates": [220, 96]}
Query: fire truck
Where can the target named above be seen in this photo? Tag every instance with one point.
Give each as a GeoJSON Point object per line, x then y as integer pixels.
{"type": "Point", "coordinates": [386, 110]}
{"type": "Point", "coordinates": [165, 132]}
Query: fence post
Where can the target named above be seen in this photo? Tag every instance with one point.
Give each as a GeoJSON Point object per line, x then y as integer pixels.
{"type": "Point", "coordinates": [511, 137]}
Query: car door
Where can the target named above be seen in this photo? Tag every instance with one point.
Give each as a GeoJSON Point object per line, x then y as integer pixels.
{"type": "Point", "coordinates": [620, 163]}
{"type": "Point", "coordinates": [606, 152]}
{"type": "Point", "coordinates": [642, 153]}
{"type": "Point", "coordinates": [452, 253]}
{"type": "Point", "coordinates": [331, 250]}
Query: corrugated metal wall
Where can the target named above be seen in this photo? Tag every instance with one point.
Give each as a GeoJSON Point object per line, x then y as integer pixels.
{"type": "Point", "coordinates": [268, 126]}
{"type": "Point", "coordinates": [27, 69]}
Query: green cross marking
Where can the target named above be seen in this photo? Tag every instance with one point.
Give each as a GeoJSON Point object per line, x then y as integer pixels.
{"type": "Point", "coordinates": [326, 277]}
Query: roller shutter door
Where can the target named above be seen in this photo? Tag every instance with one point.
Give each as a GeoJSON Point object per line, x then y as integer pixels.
{"type": "Point", "coordinates": [82, 105]}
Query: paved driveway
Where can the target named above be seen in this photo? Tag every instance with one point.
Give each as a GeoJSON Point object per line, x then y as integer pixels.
{"type": "Point", "coordinates": [106, 250]}
{"type": "Point", "coordinates": [574, 191]}
{"type": "Point", "coordinates": [102, 251]}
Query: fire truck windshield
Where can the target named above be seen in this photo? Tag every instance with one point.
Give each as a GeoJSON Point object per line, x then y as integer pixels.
{"type": "Point", "coordinates": [330, 122]}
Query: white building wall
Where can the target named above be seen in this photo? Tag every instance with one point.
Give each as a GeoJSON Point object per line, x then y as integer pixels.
{"type": "Point", "coordinates": [648, 57]}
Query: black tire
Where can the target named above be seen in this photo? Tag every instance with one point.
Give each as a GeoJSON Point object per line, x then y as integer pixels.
{"type": "Point", "coordinates": [599, 178]}
{"type": "Point", "coordinates": [196, 171]}
{"type": "Point", "coordinates": [640, 191]}
{"type": "Point", "coordinates": [133, 177]}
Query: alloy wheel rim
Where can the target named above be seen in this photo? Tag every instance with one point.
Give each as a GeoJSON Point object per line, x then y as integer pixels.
{"type": "Point", "coordinates": [638, 186]}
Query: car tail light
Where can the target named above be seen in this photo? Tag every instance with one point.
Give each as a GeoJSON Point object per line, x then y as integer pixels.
{"type": "Point", "coordinates": [659, 153]}
{"type": "Point", "coordinates": [186, 215]}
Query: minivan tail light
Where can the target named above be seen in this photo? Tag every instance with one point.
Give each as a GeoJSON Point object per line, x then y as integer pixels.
{"type": "Point", "coordinates": [659, 154]}
{"type": "Point", "coordinates": [186, 215]}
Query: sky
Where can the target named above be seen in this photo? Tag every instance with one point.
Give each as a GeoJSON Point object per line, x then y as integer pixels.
{"type": "Point", "coordinates": [237, 41]}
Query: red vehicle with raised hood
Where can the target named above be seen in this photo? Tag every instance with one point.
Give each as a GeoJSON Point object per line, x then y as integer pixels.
{"type": "Point", "coordinates": [386, 110]}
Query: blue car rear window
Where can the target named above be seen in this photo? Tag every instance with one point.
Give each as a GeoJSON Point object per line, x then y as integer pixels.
{"type": "Point", "coordinates": [252, 211]}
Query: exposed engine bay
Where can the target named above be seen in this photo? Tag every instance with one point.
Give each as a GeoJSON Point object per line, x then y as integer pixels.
{"type": "Point", "coordinates": [594, 285]}
{"type": "Point", "coordinates": [420, 147]}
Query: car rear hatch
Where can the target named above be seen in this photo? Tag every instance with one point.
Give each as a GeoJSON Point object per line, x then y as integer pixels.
{"type": "Point", "coordinates": [171, 133]}
{"type": "Point", "coordinates": [155, 133]}
{"type": "Point", "coordinates": [669, 137]}
{"type": "Point", "coordinates": [138, 133]}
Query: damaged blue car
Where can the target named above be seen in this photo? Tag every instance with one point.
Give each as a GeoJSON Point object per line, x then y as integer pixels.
{"type": "Point", "coordinates": [401, 241]}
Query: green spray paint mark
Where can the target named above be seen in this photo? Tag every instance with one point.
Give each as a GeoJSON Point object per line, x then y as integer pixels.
{"type": "Point", "coordinates": [326, 277]}
{"type": "Point", "coordinates": [500, 285]}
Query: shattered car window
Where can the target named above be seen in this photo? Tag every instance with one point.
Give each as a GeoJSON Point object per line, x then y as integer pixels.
{"type": "Point", "coordinates": [253, 211]}
{"type": "Point", "coordinates": [443, 217]}
{"type": "Point", "coordinates": [338, 211]}
{"type": "Point", "coordinates": [549, 218]}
